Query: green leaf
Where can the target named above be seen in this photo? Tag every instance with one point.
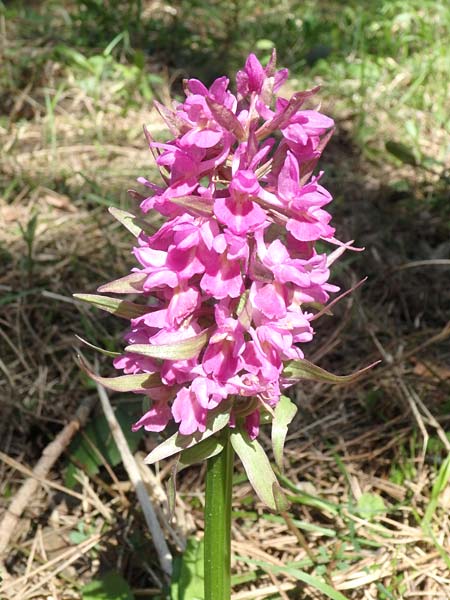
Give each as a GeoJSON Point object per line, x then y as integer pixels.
{"type": "Point", "coordinates": [442, 479]}
{"type": "Point", "coordinates": [370, 505]}
{"type": "Point", "coordinates": [284, 413]}
{"type": "Point", "coordinates": [130, 284]}
{"type": "Point", "coordinates": [124, 383]}
{"type": "Point", "coordinates": [120, 308]}
{"type": "Point", "coordinates": [95, 441]}
{"type": "Point", "coordinates": [194, 204]}
{"type": "Point", "coordinates": [306, 499]}
{"type": "Point", "coordinates": [178, 442]}
{"type": "Point", "coordinates": [135, 225]}
{"type": "Point", "coordinates": [188, 573]}
{"type": "Point", "coordinates": [258, 469]}
{"type": "Point", "coordinates": [205, 449]}
{"type": "Point", "coordinates": [439, 486]}
{"type": "Point", "coordinates": [202, 451]}
{"type": "Point", "coordinates": [82, 533]}
{"type": "Point", "coordinates": [111, 586]}
{"type": "Point", "coordinates": [311, 580]}
{"type": "Point", "coordinates": [184, 349]}
{"type": "Point", "coordinates": [303, 369]}
{"type": "Point", "coordinates": [304, 525]}
{"type": "Point", "coordinates": [401, 152]}
{"type": "Point", "coordinates": [102, 350]}
{"type": "Point", "coordinates": [128, 220]}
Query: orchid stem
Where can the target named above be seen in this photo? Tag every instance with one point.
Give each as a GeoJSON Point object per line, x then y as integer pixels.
{"type": "Point", "coordinates": [219, 475]}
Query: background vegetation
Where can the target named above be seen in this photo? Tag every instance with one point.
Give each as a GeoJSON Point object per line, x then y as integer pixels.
{"type": "Point", "coordinates": [367, 464]}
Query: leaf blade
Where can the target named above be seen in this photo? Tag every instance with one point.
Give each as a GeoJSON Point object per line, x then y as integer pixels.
{"type": "Point", "coordinates": [184, 349]}
{"type": "Point", "coordinates": [258, 469]}
{"type": "Point", "coordinates": [112, 586]}
{"type": "Point", "coordinates": [130, 284]}
{"type": "Point", "coordinates": [115, 306]}
{"type": "Point", "coordinates": [188, 579]}
{"type": "Point", "coordinates": [177, 442]}
{"type": "Point", "coordinates": [128, 220]}
{"type": "Point", "coordinates": [205, 449]}
{"type": "Point", "coordinates": [303, 369]}
{"type": "Point", "coordinates": [97, 348]}
{"type": "Point", "coordinates": [311, 580]}
{"type": "Point", "coordinates": [284, 412]}
{"type": "Point", "coordinates": [123, 383]}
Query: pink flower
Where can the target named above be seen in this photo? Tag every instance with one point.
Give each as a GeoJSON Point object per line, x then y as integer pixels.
{"type": "Point", "coordinates": [309, 222]}
{"type": "Point", "coordinates": [191, 405]}
{"type": "Point", "coordinates": [253, 77]}
{"type": "Point", "coordinates": [302, 133]}
{"type": "Point", "coordinates": [224, 267]}
{"type": "Point", "coordinates": [222, 359]}
{"type": "Point", "coordinates": [155, 419]}
{"type": "Point", "coordinates": [239, 212]}
{"type": "Point", "coordinates": [300, 272]}
{"type": "Point", "coordinates": [218, 91]}
{"type": "Point", "coordinates": [252, 424]}
{"type": "Point", "coordinates": [230, 276]}
{"type": "Point", "coordinates": [269, 299]}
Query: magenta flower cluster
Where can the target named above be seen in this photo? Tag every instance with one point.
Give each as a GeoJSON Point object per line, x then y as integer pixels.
{"type": "Point", "coordinates": [235, 262]}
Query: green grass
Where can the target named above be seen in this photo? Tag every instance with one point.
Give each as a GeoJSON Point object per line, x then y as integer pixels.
{"type": "Point", "coordinates": [388, 63]}
{"type": "Point", "coordinates": [383, 63]}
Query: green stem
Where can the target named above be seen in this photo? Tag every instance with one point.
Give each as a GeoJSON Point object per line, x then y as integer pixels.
{"type": "Point", "coordinates": [219, 474]}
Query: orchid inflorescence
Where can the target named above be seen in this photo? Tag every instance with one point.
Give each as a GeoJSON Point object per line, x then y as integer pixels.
{"type": "Point", "coordinates": [232, 279]}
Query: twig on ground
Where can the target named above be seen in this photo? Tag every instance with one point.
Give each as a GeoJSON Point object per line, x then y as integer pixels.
{"type": "Point", "coordinates": [159, 497]}
{"type": "Point", "coordinates": [165, 557]}
{"type": "Point", "coordinates": [49, 456]}
{"type": "Point", "coordinates": [46, 483]}
{"type": "Point", "coordinates": [442, 335]}
{"type": "Point", "coordinates": [64, 560]}
{"type": "Point", "coordinates": [278, 585]}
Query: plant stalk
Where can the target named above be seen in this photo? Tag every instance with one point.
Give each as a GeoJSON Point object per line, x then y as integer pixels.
{"type": "Point", "coordinates": [219, 475]}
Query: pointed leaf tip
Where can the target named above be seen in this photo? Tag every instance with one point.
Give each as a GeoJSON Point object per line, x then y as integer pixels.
{"type": "Point", "coordinates": [130, 284]}
{"type": "Point", "coordinates": [303, 369]}
{"type": "Point", "coordinates": [126, 219]}
{"type": "Point", "coordinates": [97, 348]}
{"type": "Point", "coordinates": [281, 118]}
{"type": "Point", "coordinates": [184, 349]}
{"type": "Point", "coordinates": [120, 308]}
{"type": "Point", "coordinates": [284, 412]}
{"type": "Point", "coordinates": [123, 383]}
{"type": "Point", "coordinates": [258, 469]}
{"type": "Point", "coordinates": [135, 225]}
